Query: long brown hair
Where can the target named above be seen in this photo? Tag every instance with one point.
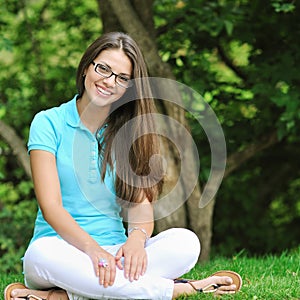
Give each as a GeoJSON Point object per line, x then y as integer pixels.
{"type": "Point", "coordinates": [131, 122]}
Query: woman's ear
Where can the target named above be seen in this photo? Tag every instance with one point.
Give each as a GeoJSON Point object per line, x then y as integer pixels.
{"type": "Point", "coordinates": [84, 72]}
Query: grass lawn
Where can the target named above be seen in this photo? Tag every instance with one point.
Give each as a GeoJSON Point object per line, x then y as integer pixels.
{"type": "Point", "coordinates": [264, 278]}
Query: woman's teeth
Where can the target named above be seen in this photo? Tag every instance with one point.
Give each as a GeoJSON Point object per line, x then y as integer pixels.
{"type": "Point", "coordinates": [103, 91]}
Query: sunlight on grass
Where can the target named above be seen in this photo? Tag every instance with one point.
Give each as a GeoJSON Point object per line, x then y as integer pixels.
{"type": "Point", "coordinates": [264, 278]}
{"type": "Point", "coordinates": [269, 277]}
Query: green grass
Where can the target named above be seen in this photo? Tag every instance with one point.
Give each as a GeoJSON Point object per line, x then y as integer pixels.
{"type": "Point", "coordinates": [264, 278]}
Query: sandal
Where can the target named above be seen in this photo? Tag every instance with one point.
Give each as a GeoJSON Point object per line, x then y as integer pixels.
{"type": "Point", "coordinates": [211, 288]}
{"type": "Point", "coordinates": [18, 285]}
{"type": "Point", "coordinates": [236, 278]}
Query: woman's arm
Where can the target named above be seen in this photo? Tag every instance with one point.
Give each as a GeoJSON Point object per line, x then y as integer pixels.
{"type": "Point", "coordinates": [48, 193]}
{"type": "Point", "coordinates": [47, 190]}
{"type": "Point", "coordinates": [140, 219]}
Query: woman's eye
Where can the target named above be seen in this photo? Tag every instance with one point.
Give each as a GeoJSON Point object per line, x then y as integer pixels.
{"type": "Point", "coordinates": [103, 68]}
{"type": "Point", "coordinates": [123, 78]}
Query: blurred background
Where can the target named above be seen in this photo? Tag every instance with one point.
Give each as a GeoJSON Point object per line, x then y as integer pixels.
{"type": "Point", "coordinates": [243, 58]}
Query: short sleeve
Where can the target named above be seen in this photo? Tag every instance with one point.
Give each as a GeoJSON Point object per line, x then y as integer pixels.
{"type": "Point", "coordinates": [43, 133]}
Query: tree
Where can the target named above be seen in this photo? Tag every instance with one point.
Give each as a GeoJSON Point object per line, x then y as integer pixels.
{"type": "Point", "coordinates": [245, 64]}
{"type": "Point", "coordinates": [136, 18]}
{"type": "Point", "coordinates": [242, 56]}
{"type": "Point", "coordinates": [218, 21]}
{"type": "Point", "coordinates": [39, 56]}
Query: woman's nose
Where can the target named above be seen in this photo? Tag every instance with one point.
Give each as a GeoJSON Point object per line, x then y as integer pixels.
{"type": "Point", "coordinates": [110, 81]}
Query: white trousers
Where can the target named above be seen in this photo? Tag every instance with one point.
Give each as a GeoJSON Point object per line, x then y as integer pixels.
{"type": "Point", "coordinates": [52, 262]}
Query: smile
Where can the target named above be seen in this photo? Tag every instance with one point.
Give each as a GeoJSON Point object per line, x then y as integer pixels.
{"type": "Point", "coordinates": [104, 92]}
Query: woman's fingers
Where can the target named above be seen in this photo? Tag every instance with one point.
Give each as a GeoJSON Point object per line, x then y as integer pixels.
{"type": "Point", "coordinates": [112, 275]}
{"type": "Point", "coordinates": [119, 263]}
{"type": "Point", "coordinates": [107, 276]}
{"type": "Point", "coordinates": [102, 272]}
{"type": "Point", "coordinates": [141, 267]}
{"type": "Point", "coordinates": [130, 267]}
{"type": "Point", "coordinates": [135, 266]}
{"type": "Point", "coordinates": [107, 271]}
{"type": "Point", "coordinates": [145, 264]}
{"type": "Point", "coordinates": [127, 266]}
{"type": "Point", "coordinates": [118, 258]}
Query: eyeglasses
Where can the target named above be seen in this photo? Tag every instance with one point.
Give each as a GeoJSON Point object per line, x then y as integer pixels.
{"type": "Point", "coordinates": [105, 71]}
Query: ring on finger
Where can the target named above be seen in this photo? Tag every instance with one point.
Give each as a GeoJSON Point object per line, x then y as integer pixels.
{"type": "Point", "coordinates": [102, 263]}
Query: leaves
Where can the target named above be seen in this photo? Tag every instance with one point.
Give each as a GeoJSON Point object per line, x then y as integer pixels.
{"type": "Point", "coordinates": [241, 56]}
{"type": "Point", "coordinates": [283, 6]}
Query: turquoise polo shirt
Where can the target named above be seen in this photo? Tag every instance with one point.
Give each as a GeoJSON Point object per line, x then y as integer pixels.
{"type": "Point", "coordinates": [89, 200]}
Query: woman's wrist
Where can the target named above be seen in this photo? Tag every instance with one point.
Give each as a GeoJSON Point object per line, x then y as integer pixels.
{"type": "Point", "coordinates": [139, 229]}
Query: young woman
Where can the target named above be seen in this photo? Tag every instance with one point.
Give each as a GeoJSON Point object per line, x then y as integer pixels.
{"type": "Point", "coordinates": [83, 177]}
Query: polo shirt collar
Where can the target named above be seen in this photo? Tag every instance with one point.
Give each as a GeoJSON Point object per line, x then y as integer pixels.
{"type": "Point", "coordinates": [73, 118]}
{"type": "Point", "coordinates": [72, 115]}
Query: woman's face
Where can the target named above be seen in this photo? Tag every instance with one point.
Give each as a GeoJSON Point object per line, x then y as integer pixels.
{"type": "Point", "coordinates": [102, 91]}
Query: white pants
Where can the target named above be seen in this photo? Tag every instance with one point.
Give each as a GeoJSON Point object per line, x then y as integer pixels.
{"type": "Point", "coordinates": [52, 262]}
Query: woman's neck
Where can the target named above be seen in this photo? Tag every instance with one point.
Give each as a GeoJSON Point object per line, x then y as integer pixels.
{"type": "Point", "coordinates": [92, 116]}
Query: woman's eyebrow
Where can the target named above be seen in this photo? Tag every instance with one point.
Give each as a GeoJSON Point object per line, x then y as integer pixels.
{"type": "Point", "coordinates": [107, 65]}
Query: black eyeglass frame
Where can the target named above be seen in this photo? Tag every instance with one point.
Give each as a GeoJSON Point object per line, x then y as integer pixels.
{"type": "Point", "coordinates": [112, 73]}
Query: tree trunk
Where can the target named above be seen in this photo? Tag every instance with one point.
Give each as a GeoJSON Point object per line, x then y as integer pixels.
{"type": "Point", "coordinates": [16, 144]}
{"type": "Point", "coordinates": [136, 22]}
{"type": "Point", "coordinates": [134, 17]}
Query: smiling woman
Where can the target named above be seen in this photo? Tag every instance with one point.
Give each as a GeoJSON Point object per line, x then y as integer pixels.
{"type": "Point", "coordinates": [102, 91]}
{"type": "Point", "coordinates": [82, 181]}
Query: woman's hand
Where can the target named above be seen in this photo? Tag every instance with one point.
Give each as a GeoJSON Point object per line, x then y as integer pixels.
{"type": "Point", "coordinates": [135, 257]}
{"type": "Point", "coordinates": [107, 271]}
{"type": "Point", "coordinates": [47, 189]}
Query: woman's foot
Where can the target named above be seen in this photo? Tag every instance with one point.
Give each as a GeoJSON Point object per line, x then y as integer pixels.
{"type": "Point", "coordinates": [18, 291]}
{"type": "Point", "coordinates": [226, 282]}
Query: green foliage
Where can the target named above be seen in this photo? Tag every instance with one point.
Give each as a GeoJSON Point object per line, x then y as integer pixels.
{"type": "Point", "coordinates": [264, 218]}
{"type": "Point", "coordinates": [252, 56]}
{"type": "Point", "coordinates": [283, 6]}
{"type": "Point", "coordinates": [47, 39]}
{"type": "Point", "coordinates": [41, 43]}
{"type": "Point", "coordinates": [243, 57]}
{"type": "Point", "coordinates": [17, 219]}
